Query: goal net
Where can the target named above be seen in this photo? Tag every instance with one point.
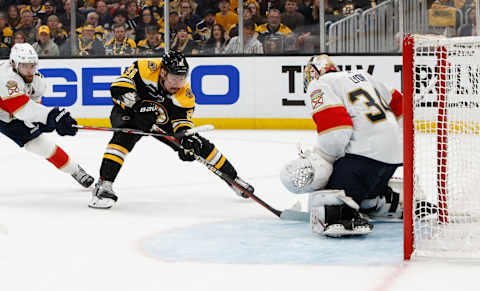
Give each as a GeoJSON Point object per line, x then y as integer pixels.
{"type": "Point", "coordinates": [441, 80]}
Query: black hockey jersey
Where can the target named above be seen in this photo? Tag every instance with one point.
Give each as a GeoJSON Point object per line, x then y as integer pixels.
{"type": "Point", "coordinates": [174, 110]}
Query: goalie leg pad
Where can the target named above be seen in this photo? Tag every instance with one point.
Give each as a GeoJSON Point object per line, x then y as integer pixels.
{"type": "Point", "coordinates": [334, 214]}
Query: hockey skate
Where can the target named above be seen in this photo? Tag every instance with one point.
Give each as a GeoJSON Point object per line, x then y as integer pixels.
{"type": "Point", "coordinates": [386, 208]}
{"type": "Point", "coordinates": [82, 177]}
{"type": "Point", "coordinates": [354, 227]}
{"type": "Point", "coordinates": [244, 184]}
{"type": "Point", "coordinates": [103, 196]}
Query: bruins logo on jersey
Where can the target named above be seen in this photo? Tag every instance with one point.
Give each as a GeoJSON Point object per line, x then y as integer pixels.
{"type": "Point", "coordinates": [160, 112]}
{"type": "Point", "coordinates": [189, 93]}
{"type": "Point", "coordinates": [152, 66]}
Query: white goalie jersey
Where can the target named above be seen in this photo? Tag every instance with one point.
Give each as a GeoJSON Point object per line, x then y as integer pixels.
{"type": "Point", "coordinates": [17, 96]}
{"type": "Point", "coordinates": [355, 114]}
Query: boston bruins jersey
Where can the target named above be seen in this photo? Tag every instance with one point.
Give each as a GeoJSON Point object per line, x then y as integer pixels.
{"type": "Point", "coordinates": [174, 110]}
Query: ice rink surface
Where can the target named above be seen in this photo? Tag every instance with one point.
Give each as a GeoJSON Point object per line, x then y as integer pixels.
{"type": "Point", "coordinates": [177, 226]}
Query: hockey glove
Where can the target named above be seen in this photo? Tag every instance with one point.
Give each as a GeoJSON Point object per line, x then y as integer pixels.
{"type": "Point", "coordinates": [61, 121]}
{"type": "Point", "coordinates": [191, 144]}
{"type": "Point", "coordinates": [145, 114]}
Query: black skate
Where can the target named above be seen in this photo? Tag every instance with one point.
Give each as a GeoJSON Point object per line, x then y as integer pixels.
{"type": "Point", "coordinates": [82, 177]}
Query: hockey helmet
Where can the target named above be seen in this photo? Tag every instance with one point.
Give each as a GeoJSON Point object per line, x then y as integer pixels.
{"type": "Point", "coordinates": [316, 67]}
{"type": "Point", "coordinates": [23, 53]}
{"type": "Point", "coordinates": [175, 63]}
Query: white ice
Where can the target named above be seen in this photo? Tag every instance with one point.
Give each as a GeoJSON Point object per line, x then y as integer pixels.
{"type": "Point", "coordinates": [50, 240]}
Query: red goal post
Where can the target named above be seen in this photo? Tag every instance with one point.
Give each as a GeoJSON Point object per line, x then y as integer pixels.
{"type": "Point", "coordinates": [441, 85]}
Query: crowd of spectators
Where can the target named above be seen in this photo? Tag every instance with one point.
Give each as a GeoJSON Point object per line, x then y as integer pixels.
{"type": "Point", "coordinates": [136, 27]}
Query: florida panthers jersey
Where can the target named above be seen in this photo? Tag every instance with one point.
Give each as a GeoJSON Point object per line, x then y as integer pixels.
{"type": "Point", "coordinates": [16, 96]}
{"type": "Point", "coordinates": [356, 114]}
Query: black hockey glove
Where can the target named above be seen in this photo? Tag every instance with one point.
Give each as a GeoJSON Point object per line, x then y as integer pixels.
{"type": "Point", "coordinates": [191, 144]}
{"type": "Point", "coordinates": [61, 121]}
{"type": "Point", "coordinates": [145, 114]}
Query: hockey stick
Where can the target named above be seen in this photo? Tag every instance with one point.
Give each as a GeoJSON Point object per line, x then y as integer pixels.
{"type": "Point", "coordinates": [285, 215]}
{"type": "Point", "coordinates": [202, 128]}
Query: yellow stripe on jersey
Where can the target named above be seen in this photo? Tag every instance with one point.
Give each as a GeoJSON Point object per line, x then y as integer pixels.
{"type": "Point", "coordinates": [221, 162]}
{"type": "Point", "coordinates": [118, 147]}
{"type": "Point", "coordinates": [149, 70]}
{"type": "Point", "coordinates": [211, 155]}
{"type": "Point", "coordinates": [124, 84]}
{"type": "Point", "coordinates": [113, 158]}
{"type": "Point", "coordinates": [184, 97]}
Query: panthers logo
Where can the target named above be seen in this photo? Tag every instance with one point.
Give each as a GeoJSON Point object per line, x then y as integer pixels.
{"type": "Point", "coordinates": [12, 87]}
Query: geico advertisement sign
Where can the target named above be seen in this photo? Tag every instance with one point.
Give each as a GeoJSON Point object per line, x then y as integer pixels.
{"type": "Point", "coordinates": [67, 91]}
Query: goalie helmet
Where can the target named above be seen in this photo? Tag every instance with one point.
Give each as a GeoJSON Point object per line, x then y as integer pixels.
{"type": "Point", "coordinates": [306, 174]}
{"type": "Point", "coordinates": [316, 67]}
{"type": "Point", "coordinates": [175, 63]}
{"type": "Point", "coordinates": [23, 53]}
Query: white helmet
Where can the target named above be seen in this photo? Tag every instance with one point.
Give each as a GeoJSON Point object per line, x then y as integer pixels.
{"type": "Point", "coordinates": [310, 172]}
{"type": "Point", "coordinates": [23, 53]}
{"type": "Point", "coordinates": [316, 67]}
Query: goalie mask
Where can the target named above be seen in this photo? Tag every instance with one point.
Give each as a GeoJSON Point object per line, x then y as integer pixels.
{"type": "Point", "coordinates": [306, 174]}
{"type": "Point", "coordinates": [316, 67]}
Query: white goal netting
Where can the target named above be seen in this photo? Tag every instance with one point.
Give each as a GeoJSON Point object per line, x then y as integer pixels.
{"type": "Point", "coordinates": [446, 147]}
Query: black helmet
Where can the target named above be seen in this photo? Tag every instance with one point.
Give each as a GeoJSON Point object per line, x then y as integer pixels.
{"type": "Point", "coordinates": [175, 62]}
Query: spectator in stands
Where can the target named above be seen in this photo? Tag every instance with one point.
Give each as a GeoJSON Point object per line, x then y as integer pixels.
{"type": "Point", "coordinates": [39, 11]}
{"type": "Point", "coordinates": [132, 15]}
{"type": "Point", "coordinates": [251, 45]}
{"type": "Point", "coordinates": [443, 18]}
{"type": "Point", "coordinates": [6, 32]}
{"type": "Point", "coordinates": [186, 15]}
{"type": "Point", "coordinates": [45, 46]}
{"type": "Point", "coordinates": [86, 44]}
{"type": "Point", "coordinates": [273, 33]}
{"type": "Point", "coordinates": [156, 9]}
{"type": "Point", "coordinates": [216, 43]}
{"type": "Point", "coordinates": [18, 37]}
{"type": "Point", "coordinates": [120, 17]}
{"type": "Point", "coordinates": [256, 14]}
{"type": "Point", "coordinates": [152, 45]}
{"type": "Point", "coordinates": [65, 18]}
{"type": "Point", "coordinates": [146, 19]}
{"type": "Point", "coordinates": [225, 17]}
{"type": "Point", "coordinates": [204, 28]}
{"type": "Point", "coordinates": [120, 45]}
{"type": "Point", "coordinates": [233, 31]}
{"type": "Point", "coordinates": [92, 19]}
{"type": "Point", "coordinates": [470, 28]}
{"type": "Point", "coordinates": [104, 18]}
{"type": "Point", "coordinates": [58, 34]}
{"type": "Point", "coordinates": [27, 26]}
{"type": "Point", "coordinates": [50, 9]}
{"type": "Point", "coordinates": [13, 17]}
{"type": "Point", "coordinates": [174, 24]}
{"type": "Point", "coordinates": [183, 41]}
{"type": "Point", "coordinates": [292, 18]}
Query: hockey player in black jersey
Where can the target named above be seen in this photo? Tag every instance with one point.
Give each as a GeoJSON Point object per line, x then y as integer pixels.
{"type": "Point", "coordinates": [154, 93]}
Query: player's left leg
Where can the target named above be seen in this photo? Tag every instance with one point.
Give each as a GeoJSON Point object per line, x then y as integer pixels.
{"type": "Point", "coordinates": [30, 138]}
